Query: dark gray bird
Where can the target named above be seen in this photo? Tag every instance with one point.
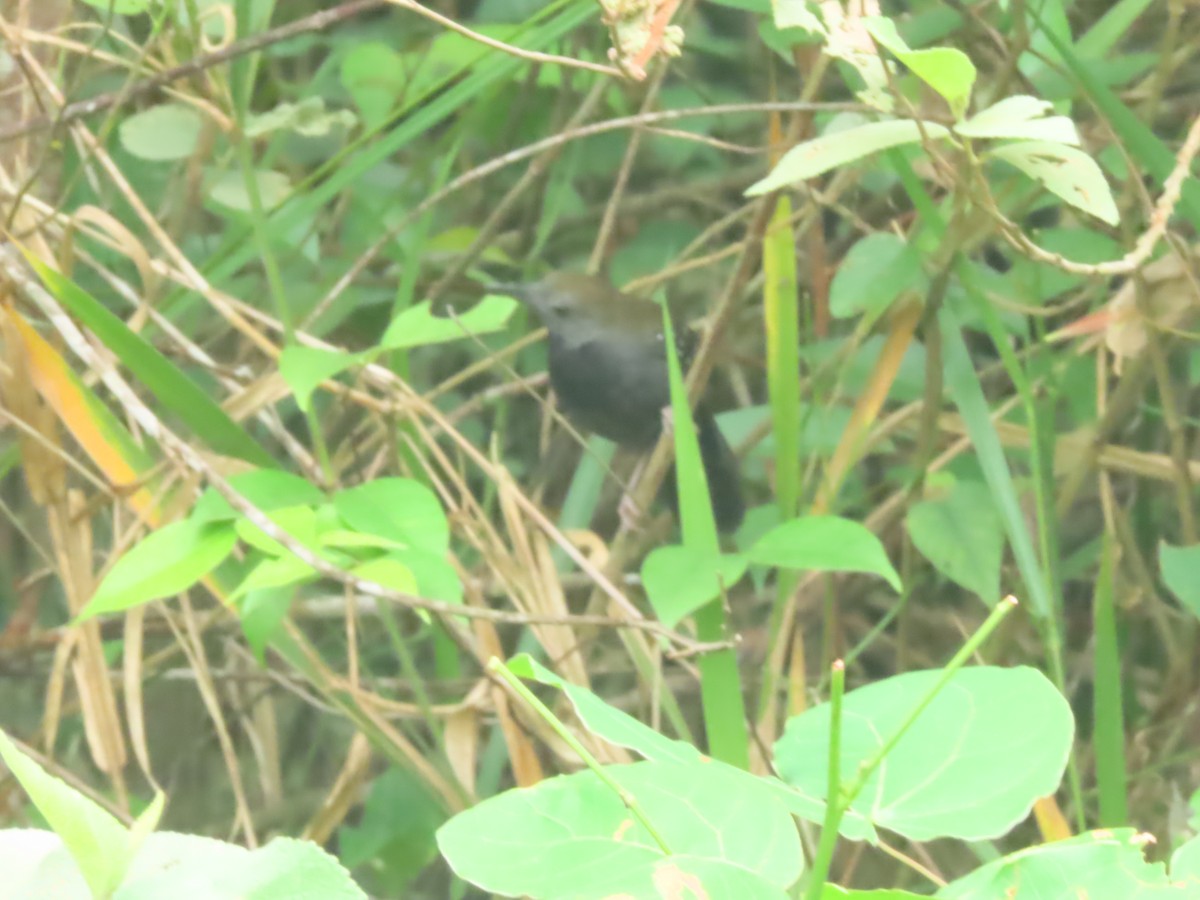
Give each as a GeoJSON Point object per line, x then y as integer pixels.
{"type": "Point", "coordinates": [608, 366]}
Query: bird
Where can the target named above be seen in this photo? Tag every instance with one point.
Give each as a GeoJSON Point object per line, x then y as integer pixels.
{"type": "Point", "coordinates": [608, 367]}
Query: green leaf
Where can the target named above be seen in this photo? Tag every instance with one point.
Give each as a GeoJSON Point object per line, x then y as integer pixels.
{"type": "Point", "coordinates": [1180, 568]}
{"type": "Point", "coordinates": [184, 865]}
{"type": "Point", "coordinates": [823, 544]}
{"type": "Point", "coordinates": [949, 72]}
{"type": "Point", "coordinates": [834, 892]}
{"type": "Point", "coordinates": [623, 730]}
{"type": "Point", "coordinates": [304, 368]}
{"type": "Point", "coordinates": [573, 836]}
{"type": "Point", "coordinates": [417, 326]}
{"type": "Point", "coordinates": [1099, 864]}
{"type": "Point", "coordinates": [876, 270]}
{"type": "Point", "coordinates": [680, 579]}
{"type": "Point", "coordinates": [951, 774]}
{"type": "Point", "coordinates": [229, 189]}
{"type": "Point", "coordinates": [165, 132]}
{"type": "Point", "coordinates": [300, 522]}
{"type": "Point", "coordinates": [607, 722]}
{"type": "Point", "coordinates": [436, 578]}
{"type": "Point", "coordinates": [373, 74]}
{"type": "Point", "coordinates": [398, 509]}
{"type": "Point", "coordinates": [97, 842]}
{"type": "Point", "coordinates": [164, 563]}
{"type": "Point", "coordinates": [1065, 171]}
{"type": "Point", "coordinates": [796, 14]}
{"type": "Point", "coordinates": [266, 489]}
{"type": "Point", "coordinates": [395, 834]}
{"type": "Point", "coordinates": [262, 614]}
{"type": "Point", "coordinates": [389, 572]}
{"type": "Point", "coordinates": [1020, 118]}
{"type": "Point", "coordinates": [1185, 863]}
{"type": "Point", "coordinates": [829, 151]}
{"type": "Point", "coordinates": [174, 390]}
{"type": "Point", "coordinates": [962, 536]}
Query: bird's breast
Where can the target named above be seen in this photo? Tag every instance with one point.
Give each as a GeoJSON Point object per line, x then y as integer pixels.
{"type": "Point", "coordinates": [613, 385]}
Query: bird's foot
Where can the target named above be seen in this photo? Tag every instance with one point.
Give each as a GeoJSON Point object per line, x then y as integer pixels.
{"type": "Point", "coordinates": [668, 420]}
{"type": "Point", "coordinates": [631, 515]}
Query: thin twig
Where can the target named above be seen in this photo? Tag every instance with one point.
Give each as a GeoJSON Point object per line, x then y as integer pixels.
{"type": "Point", "coordinates": [530, 55]}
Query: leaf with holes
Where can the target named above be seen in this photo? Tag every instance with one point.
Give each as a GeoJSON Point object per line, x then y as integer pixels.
{"type": "Point", "coordinates": [1065, 171]}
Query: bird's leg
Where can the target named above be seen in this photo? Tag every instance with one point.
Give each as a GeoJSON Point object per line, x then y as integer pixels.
{"type": "Point", "coordinates": [668, 421]}
{"type": "Point", "coordinates": [630, 513]}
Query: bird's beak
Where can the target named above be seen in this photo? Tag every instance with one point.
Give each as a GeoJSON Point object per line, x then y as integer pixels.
{"type": "Point", "coordinates": [510, 289]}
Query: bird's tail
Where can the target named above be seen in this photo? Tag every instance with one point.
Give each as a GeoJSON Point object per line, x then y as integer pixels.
{"type": "Point", "coordinates": [721, 472]}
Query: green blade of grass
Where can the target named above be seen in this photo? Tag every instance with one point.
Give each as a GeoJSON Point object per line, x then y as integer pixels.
{"type": "Point", "coordinates": [1108, 733]}
{"type": "Point", "coordinates": [174, 390]}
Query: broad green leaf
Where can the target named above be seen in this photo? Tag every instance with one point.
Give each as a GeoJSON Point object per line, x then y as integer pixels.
{"type": "Point", "coordinates": [1065, 171]}
{"type": "Point", "coordinates": [165, 132]}
{"type": "Point", "coordinates": [286, 867]}
{"type": "Point", "coordinates": [823, 544]}
{"type": "Point", "coordinates": [146, 823]}
{"type": "Point", "coordinates": [607, 722]}
{"type": "Point", "coordinates": [680, 579]}
{"type": "Point", "coordinates": [1020, 118]}
{"type": "Point", "coordinates": [1185, 864]}
{"type": "Point", "coordinates": [165, 562]}
{"type": "Point", "coordinates": [99, 844]}
{"type": "Point", "coordinates": [373, 74]}
{"type": "Point", "coordinates": [877, 269]}
{"type": "Point", "coordinates": [962, 536]}
{"type": "Point", "coordinates": [271, 573]}
{"type": "Point", "coordinates": [952, 773]}
{"type": "Point", "coordinates": [436, 578]}
{"type": "Point", "coordinates": [389, 572]}
{"type": "Point", "coordinates": [657, 242]}
{"type": "Point", "coordinates": [261, 615]}
{"type": "Point", "coordinates": [395, 833]}
{"type": "Point", "coordinates": [229, 189]}
{"type": "Point", "coordinates": [829, 151]}
{"type": "Point", "coordinates": [834, 892]}
{"type": "Point", "coordinates": [623, 730]}
{"type": "Point", "coordinates": [266, 489]}
{"type": "Point", "coordinates": [398, 509]}
{"type": "Point", "coordinates": [1099, 865]}
{"type": "Point", "coordinates": [573, 836]}
{"type": "Point", "coordinates": [417, 326]}
{"type": "Point", "coordinates": [1180, 568]}
{"type": "Point", "coordinates": [184, 865]}
{"type": "Point", "coordinates": [173, 390]}
{"type": "Point", "coordinates": [949, 72]}
{"type": "Point", "coordinates": [299, 522]}
{"type": "Point", "coordinates": [796, 14]}
{"type": "Point", "coordinates": [305, 368]}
